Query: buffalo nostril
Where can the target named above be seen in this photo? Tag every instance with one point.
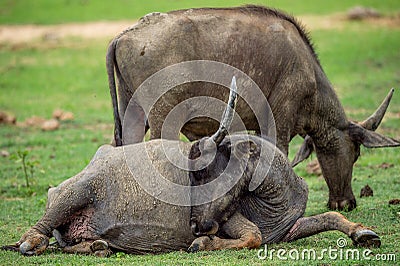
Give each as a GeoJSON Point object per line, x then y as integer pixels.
{"type": "Point", "coordinates": [195, 228]}
{"type": "Point", "coordinates": [209, 227]}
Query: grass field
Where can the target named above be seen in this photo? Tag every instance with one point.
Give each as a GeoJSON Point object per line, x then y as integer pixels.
{"type": "Point", "coordinates": [49, 12]}
{"type": "Point", "coordinates": [360, 59]}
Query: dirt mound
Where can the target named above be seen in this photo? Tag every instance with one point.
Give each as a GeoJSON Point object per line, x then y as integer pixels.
{"type": "Point", "coordinates": [360, 12]}
{"type": "Point", "coordinates": [37, 121]}
{"type": "Point", "coordinates": [7, 118]}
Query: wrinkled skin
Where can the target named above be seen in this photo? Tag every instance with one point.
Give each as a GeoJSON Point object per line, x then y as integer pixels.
{"type": "Point", "coordinates": [272, 49]}
{"type": "Point", "coordinates": [103, 209]}
{"type": "Point", "coordinates": [272, 213]}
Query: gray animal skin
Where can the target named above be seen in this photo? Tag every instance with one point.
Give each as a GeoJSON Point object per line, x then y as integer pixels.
{"type": "Point", "coordinates": [103, 209]}
{"type": "Point", "coordinates": [274, 51]}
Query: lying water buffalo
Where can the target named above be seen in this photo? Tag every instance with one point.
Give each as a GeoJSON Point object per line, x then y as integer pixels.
{"type": "Point", "coordinates": [274, 51]}
{"type": "Point", "coordinates": [103, 208]}
{"type": "Point", "coordinates": [272, 213]}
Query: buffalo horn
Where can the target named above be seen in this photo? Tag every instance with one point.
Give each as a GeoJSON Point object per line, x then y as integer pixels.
{"type": "Point", "coordinates": [227, 117]}
{"type": "Point", "coordinates": [372, 122]}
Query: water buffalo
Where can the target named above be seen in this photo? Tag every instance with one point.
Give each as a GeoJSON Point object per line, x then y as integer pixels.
{"type": "Point", "coordinates": [104, 208]}
{"type": "Point", "coordinates": [270, 214]}
{"type": "Point", "coordinates": [274, 50]}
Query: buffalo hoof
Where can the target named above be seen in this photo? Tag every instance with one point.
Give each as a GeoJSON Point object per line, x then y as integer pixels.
{"type": "Point", "coordinates": [202, 243]}
{"type": "Point", "coordinates": [366, 238]}
{"type": "Point", "coordinates": [98, 245]}
{"type": "Point", "coordinates": [34, 245]}
{"type": "Point", "coordinates": [342, 205]}
{"type": "Point", "coordinates": [100, 248]}
{"type": "Point", "coordinates": [194, 248]}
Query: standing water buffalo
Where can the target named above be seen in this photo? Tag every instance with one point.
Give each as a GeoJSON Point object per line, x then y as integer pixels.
{"type": "Point", "coordinates": [103, 208]}
{"type": "Point", "coordinates": [274, 51]}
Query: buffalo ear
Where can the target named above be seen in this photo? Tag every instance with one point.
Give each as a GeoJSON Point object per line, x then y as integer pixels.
{"type": "Point", "coordinates": [244, 148]}
{"type": "Point", "coordinates": [370, 139]}
{"type": "Point", "coordinates": [304, 152]}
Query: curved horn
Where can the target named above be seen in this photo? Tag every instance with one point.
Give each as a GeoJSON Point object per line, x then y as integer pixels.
{"type": "Point", "coordinates": [372, 122]}
{"type": "Point", "coordinates": [227, 117]}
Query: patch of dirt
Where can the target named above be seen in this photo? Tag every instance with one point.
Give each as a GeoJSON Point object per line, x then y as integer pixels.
{"type": "Point", "coordinates": [50, 125]}
{"type": "Point", "coordinates": [341, 20]}
{"type": "Point", "coordinates": [360, 12]}
{"type": "Point", "coordinates": [385, 165]}
{"type": "Point", "coordinates": [37, 121]}
{"type": "Point", "coordinates": [62, 115]}
{"type": "Point", "coordinates": [4, 153]}
{"type": "Point", "coordinates": [20, 34]}
{"type": "Point", "coordinates": [7, 118]}
{"type": "Point", "coordinates": [15, 34]}
{"type": "Point", "coordinates": [34, 121]}
{"type": "Point", "coordinates": [364, 112]}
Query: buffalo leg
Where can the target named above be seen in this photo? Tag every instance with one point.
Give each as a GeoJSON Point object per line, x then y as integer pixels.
{"type": "Point", "coordinates": [36, 239]}
{"type": "Point", "coordinates": [308, 226]}
{"type": "Point", "coordinates": [244, 234]}
{"type": "Point", "coordinates": [133, 123]}
{"type": "Point", "coordinates": [98, 247]}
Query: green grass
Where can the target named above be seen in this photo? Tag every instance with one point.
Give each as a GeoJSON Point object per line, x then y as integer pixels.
{"type": "Point", "coordinates": [50, 12]}
{"type": "Point", "coordinates": [35, 79]}
{"type": "Point", "coordinates": [371, 59]}
{"type": "Point", "coordinates": [56, 77]}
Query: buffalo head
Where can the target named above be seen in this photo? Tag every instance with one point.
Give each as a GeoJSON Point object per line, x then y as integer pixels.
{"type": "Point", "coordinates": [341, 150]}
{"type": "Point", "coordinates": [218, 157]}
{"type": "Point", "coordinates": [232, 165]}
{"type": "Point", "coordinates": [205, 222]}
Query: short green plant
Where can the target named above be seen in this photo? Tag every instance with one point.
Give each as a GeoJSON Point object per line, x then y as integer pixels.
{"type": "Point", "coordinates": [27, 165]}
